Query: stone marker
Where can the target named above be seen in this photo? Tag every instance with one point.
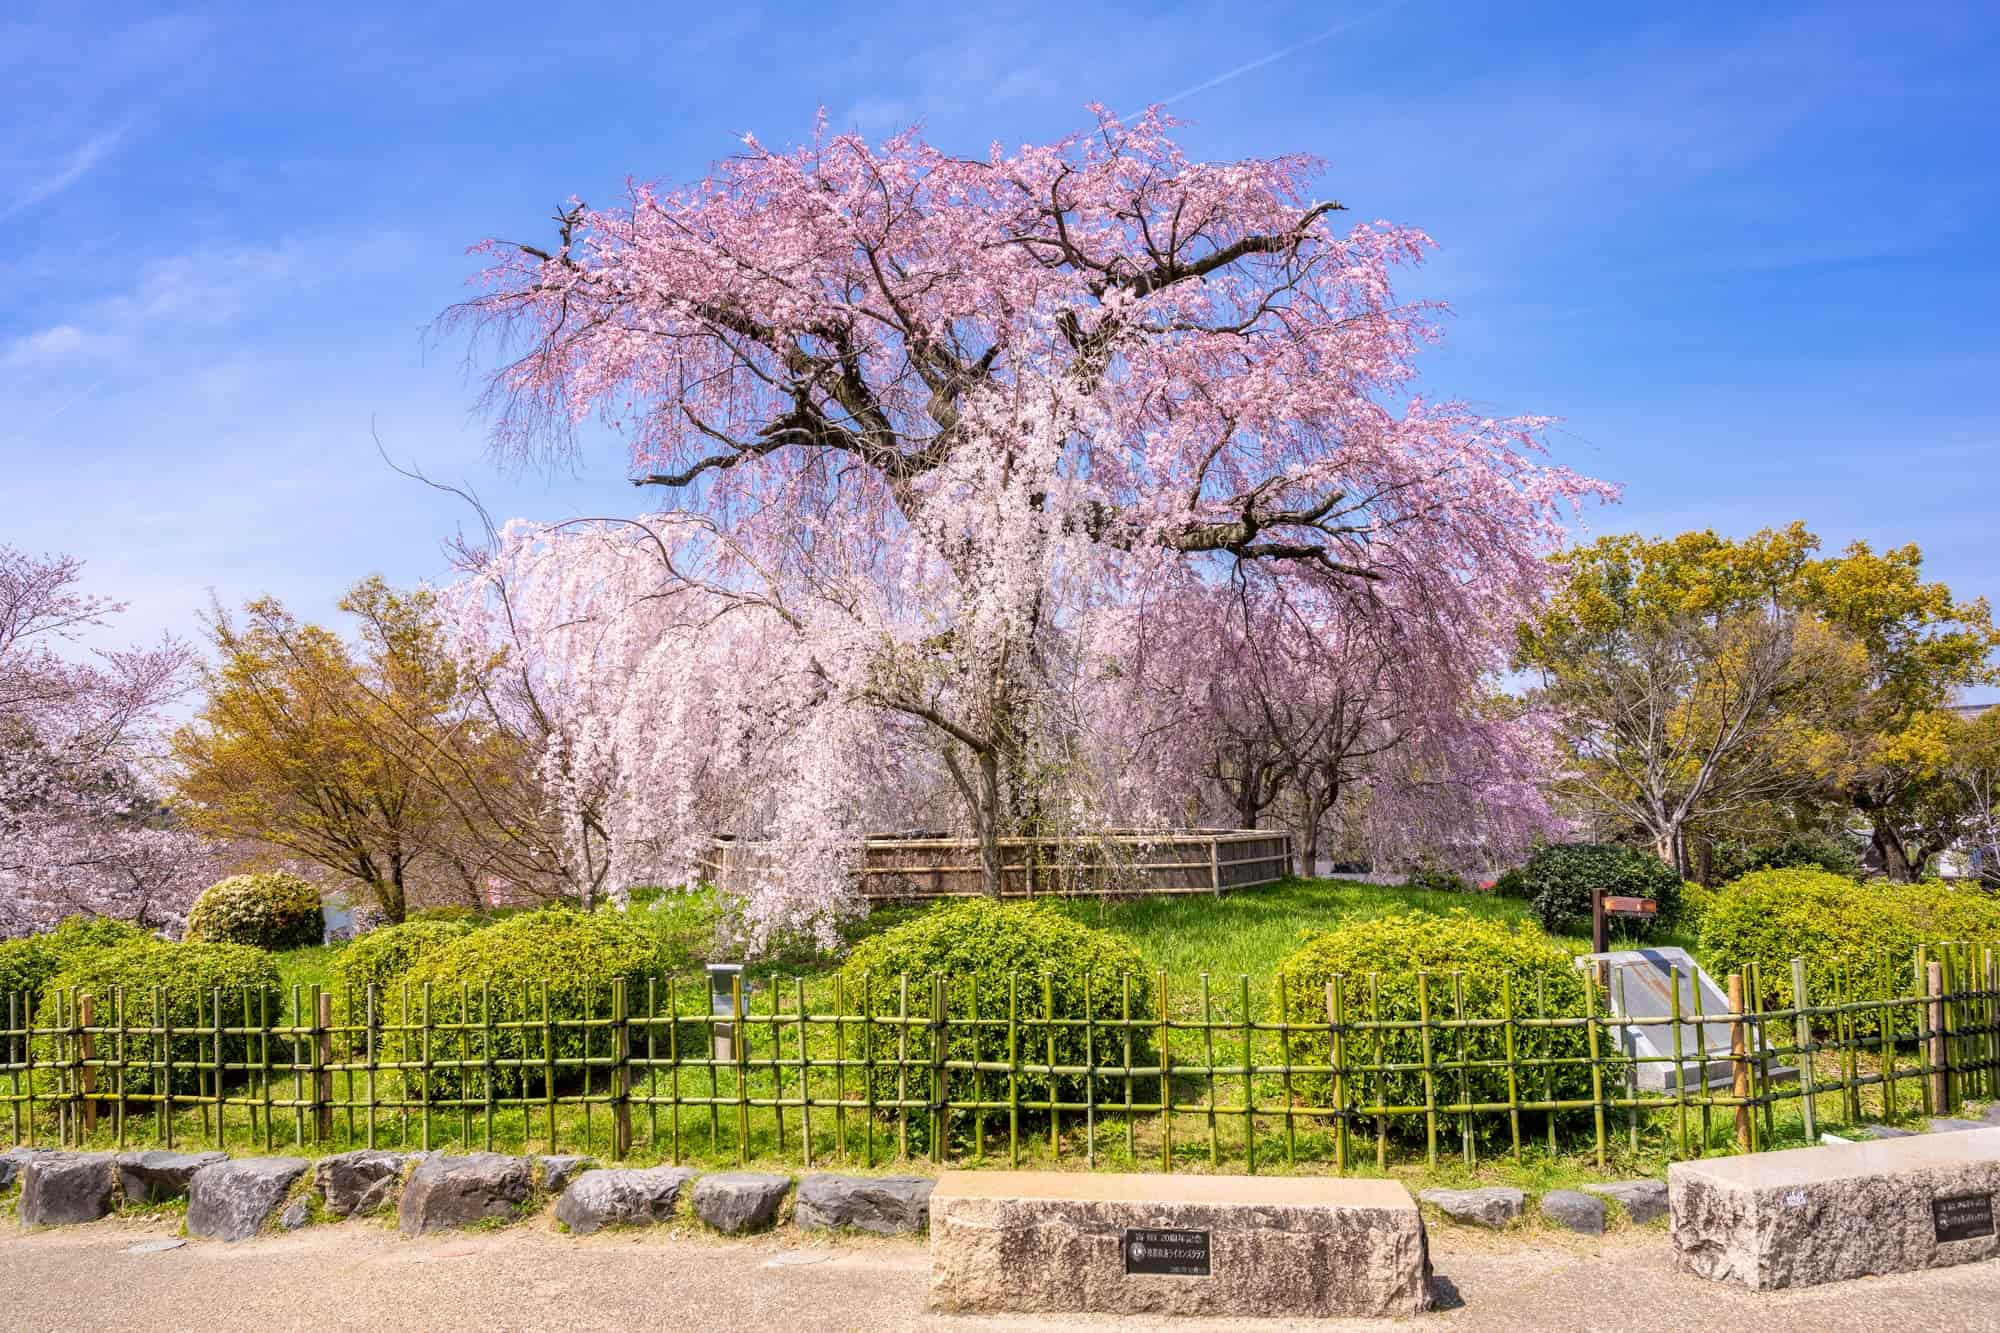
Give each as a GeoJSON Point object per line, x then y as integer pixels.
{"type": "Point", "coordinates": [445, 1192]}
{"type": "Point", "coordinates": [60, 1189]}
{"type": "Point", "coordinates": [1573, 1211]}
{"type": "Point", "coordinates": [598, 1199]}
{"type": "Point", "coordinates": [231, 1200]}
{"type": "Point", "coordinates": [559, 1170]}
{"type": "Point", "coordinates": [148, 1177]}
{"type": "Point", "coordinates": [885, 1205]}
{"type": "Point", "coordinates": [734, 1201]}
{"type": "Point", "coordinates": [1492, 1206]}
{"type": "Point", "coordinates": [1811, 1215]}
{"type": "Point", "coordinates": [353, 1183]}
{"type": "Point", "coordinates": [1048, 1242]}
{"type": "Point", "coordinates": [1642, 1200]}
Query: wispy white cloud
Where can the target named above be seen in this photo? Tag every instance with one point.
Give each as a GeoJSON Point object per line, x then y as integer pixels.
{"type": "Point", "coordinates": [1252, 66]}
{"type": "Point", "coordinates": [77, 164]}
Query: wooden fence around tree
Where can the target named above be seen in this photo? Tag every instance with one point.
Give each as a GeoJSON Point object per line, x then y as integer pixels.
{"type": "Point", "coordinates": [1124, 1071]}
{"type": "Point", "coordinates": [1113, 863]}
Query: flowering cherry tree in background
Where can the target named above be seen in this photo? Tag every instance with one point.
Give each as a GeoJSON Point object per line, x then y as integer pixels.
{"type": "Point", "coordinates": [931, 427]}
{"type": "Point", "coordinates": [80, 830]}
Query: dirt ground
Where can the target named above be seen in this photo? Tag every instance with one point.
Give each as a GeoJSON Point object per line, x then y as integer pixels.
{"type": "Point", "coordinates": [362, 1276]}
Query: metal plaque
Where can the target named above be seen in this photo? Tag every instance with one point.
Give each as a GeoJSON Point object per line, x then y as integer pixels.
{"type": "Point", "coordinates": [1962, 1216]}
{"type": "Point", "coordinates": [1166, 1253]}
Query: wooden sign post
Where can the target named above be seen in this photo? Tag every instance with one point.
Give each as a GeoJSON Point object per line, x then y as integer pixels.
{"type": "Point", "coordinates": [1601, 907]}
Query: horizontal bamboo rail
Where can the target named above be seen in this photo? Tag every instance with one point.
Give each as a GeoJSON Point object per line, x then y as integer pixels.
{"type": "Point", "coordinates": [1124, 1070]}
{"type": "Point", "coordinates": [1110, 863]}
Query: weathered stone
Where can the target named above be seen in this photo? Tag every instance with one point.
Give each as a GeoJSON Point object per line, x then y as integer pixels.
{"type": "Point", "coordinates": [736, 1201]}
{"type": "Point", "coordinates": [446, 1192]}
{"type": "Point", "coordinates": [149, 1177]}
{"type": "Point", "coordinates": [355, 1183]}
{"type": "Point", "coordinates": [1951, 1124]}
{"type": "Point", "coordinates": [60, 1189]}
{"type": "Point", "coordinates": [1491, 1206]}
{"type": "Point", "coordinates": [232, 1200]}
{"type": "Point", "coordinates": [1573, 1211]}
{"type": "Point", "coordinates": [558, 1171]}
{"type": "Point", "coordinates": [296, 1214]}
{"type": "Point", "coordinates": [14, 1159]}
{"type": "Point", "coordinates": [1056, 1243]}
{"type": "Point", "coordinates": [885, 1205]}
{"type": "Point", "coordinates": [1642, 1200]}
{"type": "Point", "coordinates": [1811, 1215]}
{"type": "Point", "coordinates": [598, 1199]}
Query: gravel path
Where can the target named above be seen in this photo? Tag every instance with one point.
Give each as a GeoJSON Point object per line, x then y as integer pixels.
{"type": "Point", "coordinates": [362, 1276]}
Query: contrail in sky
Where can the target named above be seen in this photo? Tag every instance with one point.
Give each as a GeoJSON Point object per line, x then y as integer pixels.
{"type": "Point", "coordinates": [1280, 54]}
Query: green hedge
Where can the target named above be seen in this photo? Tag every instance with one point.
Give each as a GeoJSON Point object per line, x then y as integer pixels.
{"type": "Point", "coordinates": [978, 945]}
{"type": "Point", "coordinates": [189, 977]}
{"type": "Point", "coordinates": [1490, 956]}
{"type": "Point", "coordinates": [382, 957]}
{"type": "Point", "coordinates": [271, 911]}
{"type": "Point", "coordinates": [1560, 878]}
{"type": "Point", "coordinates": [27, 965]}
{"type": "Point", "coordinates": [579, 955]}
{"type": "Point", "coordinates": [1858, 938]}
{"type": "Point", "coordinates": [1433, 880]}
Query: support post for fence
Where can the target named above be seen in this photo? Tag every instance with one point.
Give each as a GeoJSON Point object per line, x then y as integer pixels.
{"type": "Point", "coordinates": [1802, 1025]}
{"type": "Point", "coordinates": [86, 1079]}
{"type": "Point", "coordinates": [322, 1064]}
{"type": "Point", "coordinates": [1214, 868]}
{"type": "Point", "coordinates": [1739, 1062]}
{"type": "Point", "coordinates": [1939, 1054]}
{"type": "Point", "coordinates": [621, 1072]}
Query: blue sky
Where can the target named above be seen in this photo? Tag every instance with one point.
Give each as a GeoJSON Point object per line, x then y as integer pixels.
{"type": "Point", "coordinates": [1747, 254]}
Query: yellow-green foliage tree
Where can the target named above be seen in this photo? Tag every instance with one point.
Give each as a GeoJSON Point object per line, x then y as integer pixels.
{"type": "Point", "coordinates": [1690, 678]}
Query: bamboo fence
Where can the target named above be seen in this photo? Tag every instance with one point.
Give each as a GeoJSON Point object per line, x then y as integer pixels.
{"type": "Point", "coordinates": [1136, 1074]}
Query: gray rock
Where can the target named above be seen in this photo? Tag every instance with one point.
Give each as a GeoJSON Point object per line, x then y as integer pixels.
{"type": "Point", "coordinates": [557, 1172]}
{"type": "Point", "coordinates": [599, 1199]}
{"type": "Point", "coordinates": [1574, 1211]}
{"type": "Point", "coordinates": [14, 1159]}
{"type": "Point", "coordinates": [736, 1201]}
{"type": "Point", "coordinates": [148, 1177]}
{"type": "Point", "coordinates": [885, 1205]}
{"type": "Point", "coordinates": [1951, 1124]}
{"type": "Point", "coordinates": [296, 1214]}
{"type": "Point", "coordinates": [446, 1192]}
{"type": "Point", "coordinates": [1492, 1206]}
{"type": "Point", "coordinates": [354, 1183]}
{"type": "Point", "coordinates": [232, 1200]}
{"type": "Point", "coordinates": [64, 1188]}
{"type": "Point", "coordinates": [1642, 1200]}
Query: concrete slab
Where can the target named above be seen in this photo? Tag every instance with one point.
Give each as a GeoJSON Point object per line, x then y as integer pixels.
{"type": "Point", "coordinates": [1048, 1242]}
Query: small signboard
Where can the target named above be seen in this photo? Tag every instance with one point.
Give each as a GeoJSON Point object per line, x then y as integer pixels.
{"type": "Point", "coordinates": [1166, 1253]}
{"type": "Point", "coordinates": [1631, 907]}
{"type": "Point", "coordinates": [1962, 1216]}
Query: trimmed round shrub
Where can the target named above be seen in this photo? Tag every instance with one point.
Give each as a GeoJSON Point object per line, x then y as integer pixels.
{"type": "Point", "coordinates": [27, 965]}
{"type": "Point", "coordinates": [1433, 880]}
{"type": "Point", "coordinates": [271, 911]}
{"type": "Point", "coordinates": [979, 947]}
{"type": "Point", "coordinates": [1858, 939]}
{"type": "Point", "coordinates": [1490, 959]}
{"type": "Point", "coordinates": [1559, 880]}
{"type": "Point", "coordinates": [577, 955]}
{"type": "Point", "coordinates": [192, 980]}
{"type": "Point", "coordinates": [381, 957]}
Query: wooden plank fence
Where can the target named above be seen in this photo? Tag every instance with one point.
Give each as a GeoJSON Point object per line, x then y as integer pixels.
{"type": "Point", "coordinates": [1124, 1071]}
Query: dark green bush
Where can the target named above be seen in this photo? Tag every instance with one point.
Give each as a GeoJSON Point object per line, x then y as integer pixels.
{"type": "Point", "coordinates": [1513, 883]}
{"type": "Point", "coordinates": [577, 955]}
{"type": "Point", "coordinates": [1810, 849]}
{"type": "Point", "coordinates": [26, 965]}
{"type": "Point", "coordinates": [1857, 939]}
{"type": "Point", "coordinates": [268, 911]}
{"type": "Point", "coordinates": [381, 957]}
{"type": "Point", "coordinates": [979, 946]}
{"type": "Point", "coordinates": [1491, 958]}
{"type": "Point", "coordinates": [1560, 878]}
{"type": "Point", "coordinates": [192, 980]}
{"type": "Point", "coordinates": [1434, 880]}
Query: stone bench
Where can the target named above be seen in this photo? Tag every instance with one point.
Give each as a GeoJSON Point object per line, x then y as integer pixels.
{"type": "Point", "coordinates": [1050, 1242]}
{"type": "Point", "coordinates": [1812, 1215]}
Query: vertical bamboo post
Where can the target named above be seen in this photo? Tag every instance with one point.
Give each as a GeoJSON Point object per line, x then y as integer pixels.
{"type": "Point", "coordinates": [1430, 1072]}
{"type": "Point", "coordinates": [322, 1064]}
{"type": "Point", "coordinates": [674, 1063]}
{"type": "Point", "coordinates": [621, 1071]}
{"type": "Point", "coordinates": [1166, 1083]}
{"type": "Point", "coordinates": [1381, 1076]}
{"type": "Point", "coordinates": [1208, 1058]}
{"type": "Point", "coordinates": [124, 1048]}
{"type": "Point", "coordinates": [486, 1059]}
{"type": "Point", "coordinates": [1090, 1072]}
{"type": "Point", "coordinates": [1249, 1082]}
{"type": "Point", "coordinates": [1336, 1014]}
{"type": "Point", "coordinates": [263, 1061]}
{"type": "Point", "coordinates": [1513, 1071]}
{"type": "Point", "coordinates": [86, 1079]}
{"type": "Point", "coordinates": [805, 1070]}
{"type": "Point", "coordinates": [162, 1020]}
{"type": "Point", "coordinates": [903, 1065]}
{"type": "Point", "coordinates": [1284, 1063]}
{"type": "Point", "coordinates": [1920, 990]}
{"type": "Point", "coordinates": [1014, 1064]}
{"type": "Point", "coordinates": [742, 1047]}
{"type": "Point", "coordinates": [1049, 1054]}
{"type": "Point", "coordinates": [1125, 1028]}
{"type": "Point", "coordinates": [1940, 1057]}
{"type": "Point", "coordinates": [1214, 868]}
{"type": "Point", "coordinates": [1467, 1147]}
{"type": "Point", "coordinates": [1592, 1028]}
{"type": "Point", "coordinates": [1802, 1027]}
{"type": "Point", "coordinates": [940, 1076]}
{"type": "Point", "coordinates": [1680, 1066]}
{"type": "Point", "coordinates": [1739, 1062]}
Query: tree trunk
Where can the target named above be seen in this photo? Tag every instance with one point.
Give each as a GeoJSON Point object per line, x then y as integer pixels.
{"type": "Point", "coordinates": [990, 866]}
{"type": "Point", "coordinates": [1889, 846]}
